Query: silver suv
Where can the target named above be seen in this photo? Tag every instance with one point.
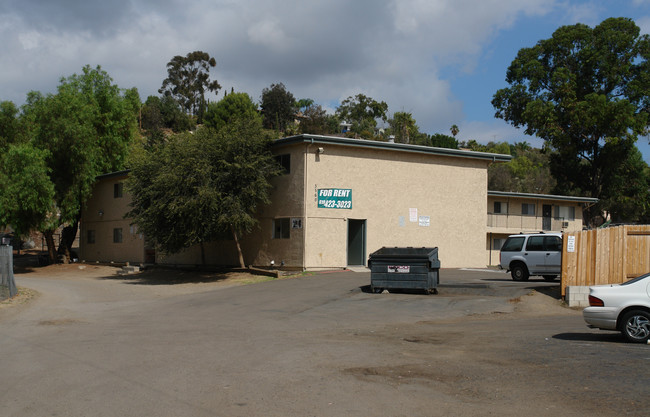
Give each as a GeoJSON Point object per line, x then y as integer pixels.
{"type": "Point", "coordinates": [532, 254]}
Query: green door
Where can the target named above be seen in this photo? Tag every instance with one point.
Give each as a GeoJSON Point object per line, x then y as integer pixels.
{"type": "Point", "coordinates": [356, 242]}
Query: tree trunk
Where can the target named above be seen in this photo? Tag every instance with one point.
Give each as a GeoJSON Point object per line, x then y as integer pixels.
{"type": "Point", "coordinates": [68, 236]}
{"type": "Point", "coordinates": [241, 256]}
{"type": "Point", "coordinates": [51, 250]}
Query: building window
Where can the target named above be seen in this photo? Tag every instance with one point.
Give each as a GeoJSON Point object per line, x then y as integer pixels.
{"type": "Point", "coordinates": [281, 228]}
{"type": "Point", "coordinates": [527, 209]}
{"type": "Point", "coordinates": [117, 235]}
{"type": "Point", "coordinates": [284, 161]}
{"type": "Point", "coordinates": [500, 208]}
{"type": "Point", "coordinates": [118, 189]}
{"type": "Point", "coordinates": [498, 242]}
{"type": "Point", "coordinates": [90, 236]}
{"type": "Point", "coordinates": [565, 213]}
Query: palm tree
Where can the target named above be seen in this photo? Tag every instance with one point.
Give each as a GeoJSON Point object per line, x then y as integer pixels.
{"type": "Point", "coordinates": [454, 130]}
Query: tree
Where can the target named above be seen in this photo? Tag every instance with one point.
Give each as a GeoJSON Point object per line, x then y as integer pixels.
{"type": "Point", "coordinates": [631, 201]}
{"type": "Point", "coordinates": [362, 112]}
{"type": "Point", "coordinates": [229, 108]}
{"type": "Point", "coordinates": [316, 121]}
{"type": "Point", "coordinates": [454, 130]}
{"type": "Point", "coordinates": [8, 124]}
{"type": "Point", "coordinates": [403, 127]}
{"type": "Point", "coordinates": [304, 103]}
{"type": "Point", "coordinates": [586, 92]}
{"type": "Point", "coordinates": [278, 107]}
{"type": "Point", "coordinates": [26, 192]}
{"type": "Point", "coordinates": [196, 187]}
{"type": "Point", "coordinates": [527, 172]}
{"type": "Point", "coordinates": [87, 128]}
{"type": "Point", "coordinates": [443, 141]}
{"type": "Point", "coordinates": [187, 80]}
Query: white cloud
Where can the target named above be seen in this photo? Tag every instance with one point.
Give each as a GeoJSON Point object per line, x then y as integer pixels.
{"type": "Point", "coordinates": [269, 33]}
{"type": "Point", "coordinates": [494, 131]}
{"type": "Point", "coordinates": [392, 50]}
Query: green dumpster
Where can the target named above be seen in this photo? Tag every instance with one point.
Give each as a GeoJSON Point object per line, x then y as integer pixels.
{"type": "Point", "coordinates": [404, 268]}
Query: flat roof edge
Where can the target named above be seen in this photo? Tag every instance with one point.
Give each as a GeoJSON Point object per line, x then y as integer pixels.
{"type": "Point", "coordinates": [543, 196]}
{"type": "Point", "coordinates": [113, 174]}
{"type": "Point", "coordinates": [401, 147]}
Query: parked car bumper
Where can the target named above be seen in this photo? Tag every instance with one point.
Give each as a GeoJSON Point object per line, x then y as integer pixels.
{"type": "Point", "coordinates": [601, 317]}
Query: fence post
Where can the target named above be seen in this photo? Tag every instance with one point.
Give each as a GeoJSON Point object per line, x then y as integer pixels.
{"type": "Point", "coordinates": [7, 272]}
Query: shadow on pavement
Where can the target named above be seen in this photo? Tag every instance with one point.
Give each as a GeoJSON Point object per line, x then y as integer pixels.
{"type": "Point", "coordinates": [553, 291]}
{"type": "Point", "coordinates": [591, 337]}
{"type": "Point", "coordinates": [170, 277]}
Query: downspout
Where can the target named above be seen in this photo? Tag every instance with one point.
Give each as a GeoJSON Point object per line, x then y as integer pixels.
{"type": "Point", "coordinates": [304, 204]}
{"type": "Point", "coordinates": [490, 237]}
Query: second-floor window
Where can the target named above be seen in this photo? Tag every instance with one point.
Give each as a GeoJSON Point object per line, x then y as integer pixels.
{"type": "Point", "coordinates": [118, 189]}
{"type": "Point", "coordinates": [285, 162]}
{"type": "Point", "coordinates": [117, 235]}
{"type": "Point", "coordinates": [565, 213]}
{"type": "Point", "coordinates": [527, 209]}
{"type": "Point", "coordinates": [500, 208]}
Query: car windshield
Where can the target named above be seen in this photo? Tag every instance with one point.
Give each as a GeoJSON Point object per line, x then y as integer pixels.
{"type": "Point", "coordinates": [637, 279]}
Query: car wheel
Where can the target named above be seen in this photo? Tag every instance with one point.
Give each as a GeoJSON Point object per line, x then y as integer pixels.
{"type": "Point", "coordinates": [550, 277]}
{"type": "Point", "coordinates": [635, 326]}
{"type": "Point", "coordinates": [519, 272]}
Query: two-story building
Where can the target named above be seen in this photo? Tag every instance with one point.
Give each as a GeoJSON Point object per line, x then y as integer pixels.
{"type": "Point", "coordinates": [339, 200]}
{"type": "Point", "coordinates": [512, 213]}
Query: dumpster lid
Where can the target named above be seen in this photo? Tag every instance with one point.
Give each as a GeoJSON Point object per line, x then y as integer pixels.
{"type": "Point", "coordinates": [405, 251]}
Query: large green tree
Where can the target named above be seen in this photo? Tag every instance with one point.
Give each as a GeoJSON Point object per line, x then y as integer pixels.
{"type": "Point", "coordinates": [197, 187]}
{"type": "Point", "coordinates": [631, 202]}
{"type": "Point", "coordinates": [86, 129]}
{"type": "Point", "coordinates": [363, 112]}
{"type": "Point", "coordinates": [231, 107]}
{"type": "Point", "coordinates": [586, 92]}
{"type": "Point", "coordinates": [26, 192]}
{"type": "Point", "coordinates": [188, 79]}
{"type": "Point", "coordinates": [278, 107]}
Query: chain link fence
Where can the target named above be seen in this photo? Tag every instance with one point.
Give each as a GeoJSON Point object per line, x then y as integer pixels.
{"type": "Point", "coordinates": [7, 284]}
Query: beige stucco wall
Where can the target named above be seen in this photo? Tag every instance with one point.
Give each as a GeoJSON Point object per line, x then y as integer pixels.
{"type": "Point", "coordinates": [113, 209]}
{"type": "Point", "coordinates": [385, 185]}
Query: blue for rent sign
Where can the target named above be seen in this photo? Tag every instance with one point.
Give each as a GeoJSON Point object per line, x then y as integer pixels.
{"type": "Point", "coordinates": [335, 198]}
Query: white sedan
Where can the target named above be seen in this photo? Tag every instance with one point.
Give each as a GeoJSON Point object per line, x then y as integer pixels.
{"type": "Point", "coordinates": [623, 307]}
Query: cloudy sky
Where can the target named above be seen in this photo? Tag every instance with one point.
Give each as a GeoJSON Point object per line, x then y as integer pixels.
{"type": "Point", "coordinates": [441, 60]}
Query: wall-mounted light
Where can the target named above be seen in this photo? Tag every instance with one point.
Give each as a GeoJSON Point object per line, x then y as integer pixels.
{"type": "Point", "coordinates": [101, 213]}
{"type": "Point", "coordinates": [320, 150]}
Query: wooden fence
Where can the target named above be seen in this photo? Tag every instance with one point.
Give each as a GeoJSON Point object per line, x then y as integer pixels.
{"type": "Point", "coordinates": [605, 256]}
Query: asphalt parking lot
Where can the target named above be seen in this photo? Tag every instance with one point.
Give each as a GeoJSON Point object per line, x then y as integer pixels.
{"type": "Point", "coordinates": [317, 345]}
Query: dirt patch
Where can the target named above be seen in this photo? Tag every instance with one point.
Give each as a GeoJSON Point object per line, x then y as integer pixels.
{"type": "Point", "coordinates": [59, 322]}
{"type": "Point", "coordinates": [23, 296]}
{"type": "Point", "coordinates": [156, 281]}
